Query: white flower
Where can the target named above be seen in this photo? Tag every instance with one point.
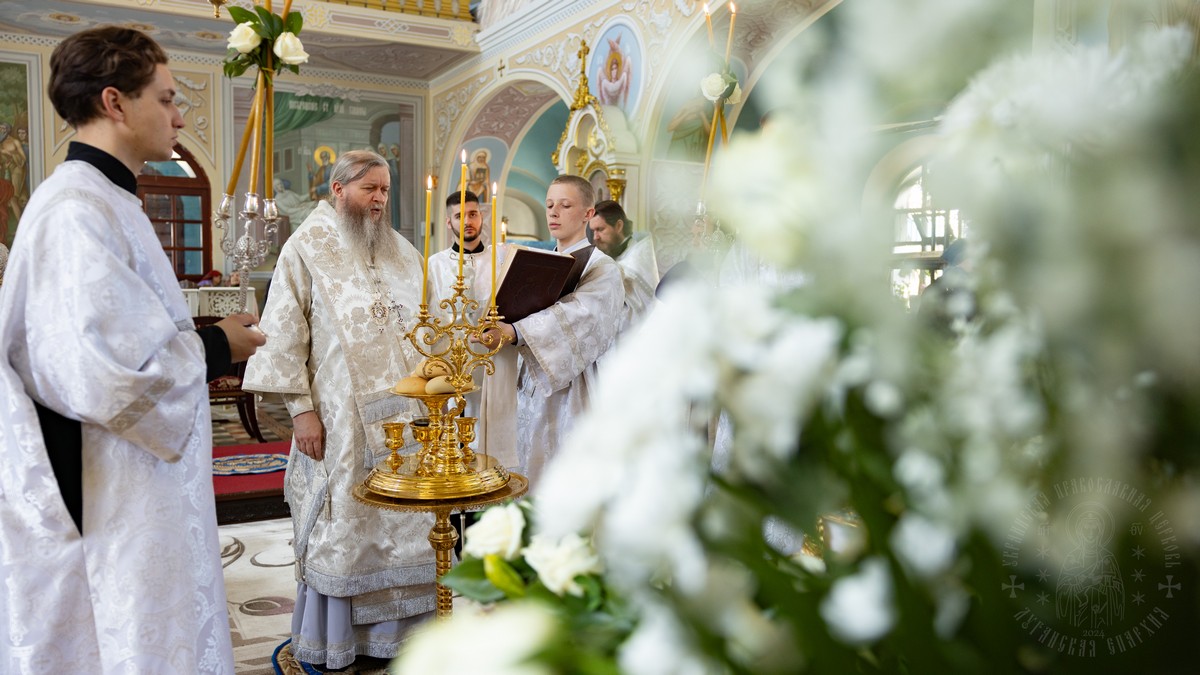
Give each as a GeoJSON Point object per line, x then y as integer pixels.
{"type": "Point", "coordinates": [661, 646]}
{"type": "Point", "coordinates": [243, 38]}
{"type": "Point", "coordinates": [713, 85]}
{"type": "Point", "coordinates": [926, 547]}
{"type": "Point", "coordinates": [498, 532]}
{"type": "Point", "coordinates": [502, 642]}
{"type": "Point", "coordinates": [558, 563]}
{"type": "Point", "coordinates": [859, 607]}
{"type": "Point", "coordinates": [289, 50]}
{"type": "Point", "coordinates": [883, 398]}
{"type": "Point", "coordinates": [769, 401]}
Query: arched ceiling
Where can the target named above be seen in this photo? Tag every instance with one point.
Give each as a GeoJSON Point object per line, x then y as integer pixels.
{"type": "Point", "coordinates": [180, 32]}
{"type": "Point", "coordinates": [510, 110]}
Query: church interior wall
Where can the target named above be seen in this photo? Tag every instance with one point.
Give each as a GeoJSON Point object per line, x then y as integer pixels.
{"type": "Point", "coordinates": [542, 55]}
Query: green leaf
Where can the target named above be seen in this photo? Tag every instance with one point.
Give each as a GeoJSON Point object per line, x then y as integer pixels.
{"type": "Point", "coordinates": [294, 22]}
{"type": "Point", "coordinates": [469, 580]}
{"type": "Point", "coordinates": [241, 15]}
{"type": "Point", "coordinates": [264, 32]}
{"type": "Point", "coordinates": [503, 576]}
{"type": "Point", "coordinates": [292, 67]}
{"type": "Point", "coordinates": [276, 25]}
{"type": "Point", "coordinates": [263, 15]}
{"type": "Point", "coordinates": [592, 591]}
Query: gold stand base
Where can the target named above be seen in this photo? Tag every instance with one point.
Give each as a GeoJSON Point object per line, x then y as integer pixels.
{"type": "Point", "coordinates": [481, 476]}
{"type": "Point", "coordinates": [443, 537]}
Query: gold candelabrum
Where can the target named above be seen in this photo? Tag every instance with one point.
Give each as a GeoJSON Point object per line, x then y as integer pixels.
{"type": "Point", "coordinates": [445, 466]}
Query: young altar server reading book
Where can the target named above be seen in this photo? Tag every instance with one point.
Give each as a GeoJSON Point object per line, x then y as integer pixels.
{"type": "Point", "coordinates": [558, 346]}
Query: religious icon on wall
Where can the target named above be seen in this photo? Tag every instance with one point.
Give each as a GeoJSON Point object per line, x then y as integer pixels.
{"type": "Point", "coordinates": [479, 174]}
{"type": "Point", "coordinates": [318, 173]}
{"type": "Point", "coordinates": [15, 185]}
{"type": "Point", "coordinates": [615, 72]}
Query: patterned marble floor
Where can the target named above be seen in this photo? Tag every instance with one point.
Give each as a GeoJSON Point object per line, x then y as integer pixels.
{"type": "Point", "coordinates": [260, 589]}
{"type": "Point", "coordinates": [273, 421]}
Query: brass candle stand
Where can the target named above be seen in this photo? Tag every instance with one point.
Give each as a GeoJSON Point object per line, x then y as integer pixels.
{"type": "Point", "coordinates": [445, 475]}
{"type": "Point", "coordinates": [445, 467]}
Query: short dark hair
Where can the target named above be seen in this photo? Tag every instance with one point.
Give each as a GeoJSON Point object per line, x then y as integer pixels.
{"type": "Point", "coordinates": [612, 213]}
{"type": "Point", "coordinates": [587, 193]}
{"type": "Point", "coordinates": [455, 197]}
{"type": "Point", "coordinates": [86, 63]}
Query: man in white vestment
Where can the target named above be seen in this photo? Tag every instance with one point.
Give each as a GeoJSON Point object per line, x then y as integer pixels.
{"type": "Point", "coordinates": [495, 409]}
{"type": "Point", "coordinates": [108, 536]}
{"type": "Point", "coordinates": [345, 290]}
{"type": "Point", "coordinates": [612, 232]}
{"type": "Point", "coordinates": [559, 345]}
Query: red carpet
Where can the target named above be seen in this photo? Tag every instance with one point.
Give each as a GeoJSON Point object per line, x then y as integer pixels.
{"type": "Point", "coordinates": [225, 486]}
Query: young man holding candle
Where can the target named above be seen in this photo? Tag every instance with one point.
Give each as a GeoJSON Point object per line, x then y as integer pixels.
{"type": "Point", "coordinates": [464, 223]}
{"type": "Point", "coordinates": [345, 290]}
{"type": "Point", "coordinates": [559, 346]}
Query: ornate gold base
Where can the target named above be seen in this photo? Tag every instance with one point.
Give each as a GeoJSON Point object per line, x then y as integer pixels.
{"type": "Point", "coordinates": [483, 475]}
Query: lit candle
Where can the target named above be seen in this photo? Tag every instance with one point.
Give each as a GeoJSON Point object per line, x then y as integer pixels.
{"type": "Point", "coordinates": [729, 42]}
{"type": "Point", "coordinates": [708, 22]}
{"type": "Point", "coordinates": [462, 215]}
{"type": "Point", "coordinates": [425, 261]}
{"type": "Point", "coordinates": [494, 200]}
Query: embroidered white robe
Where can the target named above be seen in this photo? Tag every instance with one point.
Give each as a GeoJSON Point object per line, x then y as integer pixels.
{"type": "Point", "coordinates": [94, 327]}
{"type": "Point", "coordinates": [558, 352]}
{"type": "Point", "coordinates": [326, 353]}
{"type": "Point", "coordinates": [494, 403]}
{"type": "Point", "coordinates": [639, 272]}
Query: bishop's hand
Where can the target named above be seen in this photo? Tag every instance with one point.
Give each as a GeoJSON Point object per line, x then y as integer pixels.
{"type": "Point", "coordinates": [309, 434]}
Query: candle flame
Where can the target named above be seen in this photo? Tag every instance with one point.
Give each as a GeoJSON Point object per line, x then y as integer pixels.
{"type": "Point", "coordinates": [732, 8]}
{"type": "Point", "coordinates": [706, 12]}
{"type": "Point", "coordinates": [464, 156]}
{"type": "Point", "coordinates": [429, 182]}
{"type": "Point", "coordinates": [494, 186]}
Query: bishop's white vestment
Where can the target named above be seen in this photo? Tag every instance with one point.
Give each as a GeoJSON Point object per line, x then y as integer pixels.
{"type": "Point", "coordinates": [95, 328]}
{"type": "Point", "coordinates": [331, 351]}
{"type": "Point", "coordinates": [558, 349]}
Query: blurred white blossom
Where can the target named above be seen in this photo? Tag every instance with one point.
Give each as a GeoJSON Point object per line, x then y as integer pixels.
{"type": "Point", "coordinates": [498, 531]}
{"type": "Point", "coordinates": [502, 642]}
{"type": "Point", "coordinates": [924, 546]}
{"type": "Point", "coordinates": [557, 563]}
{"type": "Point", "coordinates": [859, 607]}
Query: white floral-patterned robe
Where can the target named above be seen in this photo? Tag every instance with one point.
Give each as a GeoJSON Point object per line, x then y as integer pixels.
{"type": "Point", "coordinates": [326, 353]}
{"type": "Point", "coordinates": [559, 347]}
{"type": "Point", "coordinates": [94, 327]}
{"type": "Point", "coordinates": [639, 271]}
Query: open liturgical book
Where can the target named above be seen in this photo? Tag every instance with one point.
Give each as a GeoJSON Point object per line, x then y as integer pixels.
{"type": "Point", "coordinates": [532, 279]}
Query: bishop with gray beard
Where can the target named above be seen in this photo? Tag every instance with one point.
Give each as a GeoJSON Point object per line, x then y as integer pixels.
{"type": "Point", "coordinates": [345, 290]}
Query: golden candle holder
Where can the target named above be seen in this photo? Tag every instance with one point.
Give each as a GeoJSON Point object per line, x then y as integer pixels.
{"type": "Point", "coordinates": [445, 467]}
{"type": "Point", "coordinates": [446, 474]}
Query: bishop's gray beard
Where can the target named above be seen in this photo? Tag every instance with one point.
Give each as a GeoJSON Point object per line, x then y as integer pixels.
{"type": "Point", "coordinates": [368, 236]}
